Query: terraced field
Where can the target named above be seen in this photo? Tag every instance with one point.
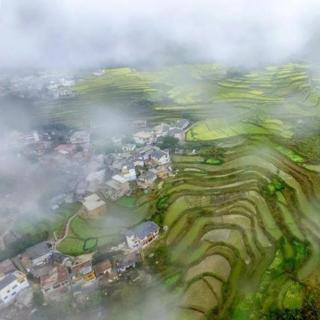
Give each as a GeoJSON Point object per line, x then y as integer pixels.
{"type": "Point", "coordinates": [242, 212]}
{"type": "Point", "coordinates": [244, 228]}
{"type": "Point", "coordinates": [86, 235]}
{"type": "Point", "coordinates": [196, 91]}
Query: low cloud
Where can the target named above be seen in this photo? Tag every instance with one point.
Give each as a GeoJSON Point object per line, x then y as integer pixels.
{"type": "Point", "coordinates": [78, 33]}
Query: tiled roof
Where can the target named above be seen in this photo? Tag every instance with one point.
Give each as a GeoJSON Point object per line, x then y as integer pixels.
{"type": "Point", "coordinates": [143, 230]}
{"type": "Point", "coordinates": [7, 280]}
{"type": "Point", "coordinates": [6, 267]}
{"type": "Point", "coordinates": [39, 250]}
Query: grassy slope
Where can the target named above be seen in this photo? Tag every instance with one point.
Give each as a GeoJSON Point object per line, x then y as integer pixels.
{"type": "Point", "coordinates": [267, 107]}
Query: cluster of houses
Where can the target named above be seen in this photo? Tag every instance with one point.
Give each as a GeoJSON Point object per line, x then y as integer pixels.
{"type": "Point", "coordinates": [151, 135]}
{"type": "Point", "coordinates": [142, 162]}
{"type": "Point", "coordinates": [139, 164]}
{"type": "Point", "coordinates": [141, 167]}
{"type": "Point", "coordinates": [41, 85]}
{"type": "Point", "coordinates": [92, 179]}
{"type": "Point", "coordinates": [43, 267]}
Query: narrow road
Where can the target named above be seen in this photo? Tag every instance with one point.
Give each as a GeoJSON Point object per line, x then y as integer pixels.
{"type": "Point", "coordinates": [67, 228]}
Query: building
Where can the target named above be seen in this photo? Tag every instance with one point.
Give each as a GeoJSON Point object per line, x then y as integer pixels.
{"type": "Point", "coordinates": [128, 147]}
{"type": "Point", "coordinates": [116, 189]}
{"type": "Point", "coordinates": [128, 172]}
{"type": "Point", "coordinates": [125, 262]}
{"type": "Point", "coordinates": [145, 136]}
{"type": "Point", "coordinates": [182, 124]}
{"type": "Point", "coordinates": [80, 137]}
{"type": "Point", "coordinates": [176, 133]}
{"type": "Point", "coordinates": [93, 206]}
{"type": "Point", "coordinates": [144, 153]}
{"type": "Point", "coordinates": [162, 172]}
{"type": "Point", "coordinates": [11, 285]}
{"type": "Point", "coordinates": [38, 255]}
{"type": "Point", "coordinates": [66, 149]}
{"type": "Point", "coordinates": [139, 124]}
{"type": "Point", "coordinates": [6, 267]}
{"type": "Point", "coordinates": [56, 280]}
{"type": "Point", "coordinates": [82, 271]}
{"type": "Point", "coordinates": [162, 129]}
{"type": "Point", "coordinates": [138, 161]}
{"type": "Point", "coordinates": [146, 179]}
{"type": "Point", "coordinates": [160, 157]}
{"type": "Point", "coordinates": [142, 235]}
{"type": "Point", "coordinates": [118, 178]}
{"type": "Point", "coordinates": [29, 138]}
{"type": "Point", "coordinates": [104, 270]}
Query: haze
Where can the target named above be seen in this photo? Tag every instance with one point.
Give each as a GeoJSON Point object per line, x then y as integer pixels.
{"type": "Point", "coordinates": [78, 33]}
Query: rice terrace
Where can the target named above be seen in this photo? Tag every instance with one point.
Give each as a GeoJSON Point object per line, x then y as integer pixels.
{"type": "Point", "coordinates": [160, 160]}
{"type": "Point", "coordinates": [241, 215]}
{"type": "Point", "coordinates": [239, 218]}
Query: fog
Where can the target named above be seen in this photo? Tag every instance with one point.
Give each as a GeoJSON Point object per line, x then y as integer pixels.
{"type": "Point", "coordinates": [80, 33]}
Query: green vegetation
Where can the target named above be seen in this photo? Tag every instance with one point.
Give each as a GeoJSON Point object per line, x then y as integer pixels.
{"type": "Point", "coordinates": [219, 129]}
{"type": "Point", "coordinates": [275, 185]}
{"type": "Point", "coordinates": [126, 201]}
{"type": "Point", "coordinates": [242, 236]}
{"type": "Point", "coordinates": [87, 234]}
{"type": "Point", "coordinates": [220, 219]}
{"type": "Point", "coordinates": [214, 161]}
{"type": "Point", "coordinates": [168, 142]}
{"type": "Point", "coordinates": [33, 231]}
{"type": "Point", "coordinates": [90, 244]}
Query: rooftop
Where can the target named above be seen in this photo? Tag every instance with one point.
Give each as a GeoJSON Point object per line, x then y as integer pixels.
{"type": "Point", "coordinates": [143, 230]}
{"type": "Point", "coordinates": [93, 202]}
{"type": "Point", "coordinates": [6, 267]}
{"type": "Point", "coordinates": [56, 275]}
{"type": "Point", "coordinates": [149, 175]}
{"type": "Point", "coordinates": [39, 250]}
{"type": "Point", "coordinates": [182, 123]}
{"type": "Point", "coordinates": [114, 185]}
{"type": "Point", "coordinates": [102, 266]}
{"type": "Point", "coordinates": [4, 282]}
{"type": "Point", "coordinates": [158, 154]}
{"type": "Point", "coordinates": [119, 178]}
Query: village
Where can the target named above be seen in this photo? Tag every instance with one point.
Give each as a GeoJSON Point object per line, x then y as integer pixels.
{"type": "Point", "coordinates": [137, 163]}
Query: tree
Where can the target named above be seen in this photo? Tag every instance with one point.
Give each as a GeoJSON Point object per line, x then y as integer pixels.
{"type": "Point", "coordinates": [168, 142]}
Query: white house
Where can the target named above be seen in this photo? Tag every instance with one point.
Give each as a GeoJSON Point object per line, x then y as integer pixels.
{"type": "Point", "coordinates": [10, 285]}
{"type": "Point", "coordinates": [129, 147]}
{"type": "Point", "coordinates": [182, 124]}
{"type": "Point", "coordinates": [93, 205]}
{"type": "Point", "coordinates": [116, 190]}
{"type": "Point", "coordinates": [129, 174]}
{"type": "Point", "coordinates": [39, 254]}
{"type": "Point", "coordinates": [144, 137]}
{"type": "Point", "coordinates": [80, 137]}
{"type": "Point", "coordinates": [162, 129]}
{"type": "Point", "coordinates": [161, 157]}
{"type": "Point", "coordinates": [176, 133]}
{"type": "Point", "coordinates": [142, 235]}
{"type": "Point", "coordinates": [147, 179]}
{"type": "Point", "coordinates": [119, 178]}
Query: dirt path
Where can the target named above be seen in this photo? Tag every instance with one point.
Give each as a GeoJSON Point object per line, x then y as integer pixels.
{"type": "Point", "coordinates": [67, 228]}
